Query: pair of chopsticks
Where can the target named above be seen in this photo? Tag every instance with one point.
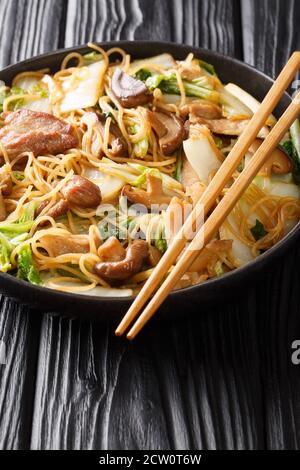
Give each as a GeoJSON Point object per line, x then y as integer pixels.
{"type": "Point", "coordinates": [208, 198]}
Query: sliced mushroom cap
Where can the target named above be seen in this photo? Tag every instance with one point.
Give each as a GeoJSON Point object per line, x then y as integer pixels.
{"type": "Point", "coordinates": [225, 126]}
{"type": "Point", "coordinates": [129, 91]}
{"type": "Point", "coordinates": [136, 255]}
{"type": "Point", "coordinates": [153, 195]}
{"type": "Point", "coordinates": [278, 162]}
{"type": "Point", "coordinates": [118, 144]}
{"type": "Point", "coordinates": [116, 141]}
{"type": "Point", "coordinates": [169, 128]}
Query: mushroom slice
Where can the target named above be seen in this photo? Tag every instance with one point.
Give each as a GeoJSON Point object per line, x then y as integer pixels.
{"type": "Point", "coordinates": [227, 126]}
{"type": "Point", "coordinates": [278, 162]}
{"type": "Point", "coordinates": [169, 128]}
{"type": "Point", "coordinates": [136, 255]}
{"type": "Point", "coordinates": [153, 195]}
{"type": "Point", "coordinates": [129, 91]}
{"type": "Point", "coordinates": [118, 145]}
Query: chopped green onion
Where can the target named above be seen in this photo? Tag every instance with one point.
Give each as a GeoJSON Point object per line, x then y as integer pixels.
{"type": "Point", "coordinates": [199, 88]}
{"type": "Point", "coordinates": [143, 74]}
{"type": "Point", "coordinates": [258, 231]}
{"type": "Point", "coordinates": [178, 168]}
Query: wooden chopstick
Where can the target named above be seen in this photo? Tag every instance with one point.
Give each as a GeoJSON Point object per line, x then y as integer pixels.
{"type": "Point", "coordinates": [215, 187]}
{"type": "Point", "coordinates": [222, 210]}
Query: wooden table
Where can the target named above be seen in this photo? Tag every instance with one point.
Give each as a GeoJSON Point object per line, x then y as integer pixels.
{"type": "Point", "coordinates": [220, 380]}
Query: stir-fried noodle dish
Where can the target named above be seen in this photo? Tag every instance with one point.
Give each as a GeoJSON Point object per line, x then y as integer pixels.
{"type": "Point", "coordinates": [102, 161]}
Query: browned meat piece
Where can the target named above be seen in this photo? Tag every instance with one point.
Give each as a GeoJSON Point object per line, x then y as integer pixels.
{"type": "Point", "coordinates": [81, 192]}
{"type": "Point", "coordinates": [136, 254]}
{"type": "Point", "coordinates": [40, 133]}
{"type": "Point", "coordinates": [203, 109]}
{"type": "Point", "coordinates": [189, 72]}
{"type": "Point", "coordinates": [6, 184]}
{"type": "Point", "coordinates": [57, 245]}
{"type": "Point", "coordinates": [154, 255]}
{"type": "Point", "coordinates": [129, 91]}
{"type": "Point", "coordinates": [59, 209]}
{"type": "Point", "coordinates": [3, 213]}
{"type": "Point", "coordinates": [111, 250]}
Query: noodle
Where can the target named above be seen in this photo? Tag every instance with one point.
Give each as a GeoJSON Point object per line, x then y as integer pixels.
{"type": "Point", "coordinates": [40, 179]}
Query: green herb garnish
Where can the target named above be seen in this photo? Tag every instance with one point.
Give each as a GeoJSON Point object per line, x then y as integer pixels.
{"type": "Point", "coordinates": [258, 230]}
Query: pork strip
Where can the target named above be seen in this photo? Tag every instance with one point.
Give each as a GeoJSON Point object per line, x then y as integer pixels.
{"type": "Point", "coordinates": [41, 133]}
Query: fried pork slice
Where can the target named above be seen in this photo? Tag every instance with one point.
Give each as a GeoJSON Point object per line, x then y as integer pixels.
{"type": "Point", "coordinates": [41, 133]}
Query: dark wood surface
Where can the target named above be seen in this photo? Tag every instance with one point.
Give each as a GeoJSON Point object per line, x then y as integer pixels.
{"type": "Point", "coordinates": [222, 379]}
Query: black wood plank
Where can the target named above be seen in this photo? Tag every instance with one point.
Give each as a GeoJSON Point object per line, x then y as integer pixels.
{"type": "Point", "coordinates": [19, 336]}
{"type": "Point", "coordinates": [215, 25]}
{"type": "Point", "coordinates": [27, 27]}
{"type": "Point", "coordinates": [270, 32]}
{"type": "Point", "coordinates": [270, 35]}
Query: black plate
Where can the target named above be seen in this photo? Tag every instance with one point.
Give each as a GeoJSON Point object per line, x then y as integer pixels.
{"type": "Point", "coordinates": [92, 307]}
